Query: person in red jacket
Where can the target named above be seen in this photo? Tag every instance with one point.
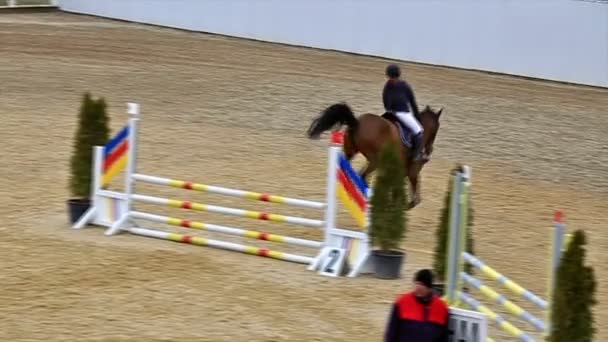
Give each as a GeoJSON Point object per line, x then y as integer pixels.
{"type": "Point", "coordinates": [419, 315]}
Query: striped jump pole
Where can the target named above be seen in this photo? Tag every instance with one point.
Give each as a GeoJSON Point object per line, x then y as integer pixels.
{"type": "Point", "coordinates": [506, 282]}
{"type": "Point", "coordinates": [225, 230]}
{"type": "Point", "coordinates": [227, 211]}
{"type": "Point", "coordinates": [506, 326]}
{"type": "Point", "coordinates": [200, 241]}
{"type": "Point", "coordinates": [500, 299]}
{"type": "Point", "coordinates": [229, 192]}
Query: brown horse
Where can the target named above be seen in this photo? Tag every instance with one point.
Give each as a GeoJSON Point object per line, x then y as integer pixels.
{"type": "Point", "coordinates": [369, 132]}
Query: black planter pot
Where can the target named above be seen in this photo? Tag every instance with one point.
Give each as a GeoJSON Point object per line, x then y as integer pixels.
{"type": "Point", "coordinates": [387, 264]}
{"type": "Point", "coordinates": [77, 207]}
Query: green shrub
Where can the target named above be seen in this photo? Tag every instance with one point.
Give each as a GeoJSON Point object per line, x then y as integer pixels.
{"type": "Point", "coordinates": [574, 295]}
{"type": "Point", "coordinates": [388, 202]}
{"type": "Point", "coordinates": [93, 129]}
{"type": "Point", "coordinates": [443, 229]}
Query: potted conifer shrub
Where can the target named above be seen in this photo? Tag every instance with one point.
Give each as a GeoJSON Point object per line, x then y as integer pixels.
{"type": "Point", "coordinates": [93, 130]}
{"type": "Point", "coordinates": [574, 295]}
{"type": "Point", "coordinates": [387, 214]}
{"type": "Point", "coordinates": [442, 233]}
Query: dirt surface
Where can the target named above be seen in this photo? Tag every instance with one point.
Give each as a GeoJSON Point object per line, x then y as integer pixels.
{"type": "Point", "coordinates": [233, 112]}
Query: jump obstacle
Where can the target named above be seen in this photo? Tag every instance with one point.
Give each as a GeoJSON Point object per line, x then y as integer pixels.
{"type": "Point", "coordinates": [115, 210]}
{"type": "Point", "coordinates": [457, 257]}
{"type": "Point", "coordinates": [340, 247]}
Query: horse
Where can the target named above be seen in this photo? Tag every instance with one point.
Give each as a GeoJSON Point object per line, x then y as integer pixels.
{"type": "Point", "coordinates": [368, 133]}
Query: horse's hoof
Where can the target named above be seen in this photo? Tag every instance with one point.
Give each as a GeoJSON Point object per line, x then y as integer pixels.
{"type": "Point", "coordinates": [413, 204]}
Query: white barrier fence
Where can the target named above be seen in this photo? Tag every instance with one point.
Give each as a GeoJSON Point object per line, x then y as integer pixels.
{"type": "Point", "coordinates": [562, 40]}
{"type": "Point", "coordinates": [28, 3]}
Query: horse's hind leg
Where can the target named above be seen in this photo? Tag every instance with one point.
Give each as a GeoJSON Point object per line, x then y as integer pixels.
{"type": "Point", "coordinates": [371, 166]}
{"type": "Point", "coordinates": [348, 147]}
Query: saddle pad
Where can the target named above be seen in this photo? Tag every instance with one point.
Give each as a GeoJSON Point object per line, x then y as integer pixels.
{"type": "Point", "coordinates": [405, 134]}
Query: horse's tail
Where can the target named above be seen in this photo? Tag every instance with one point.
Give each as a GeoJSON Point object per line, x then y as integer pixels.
{"type": "Point", "coordinates": [339, 113]}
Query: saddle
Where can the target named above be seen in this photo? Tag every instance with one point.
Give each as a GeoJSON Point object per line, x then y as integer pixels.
{"type": "Point", "coordinates": [407, 138]}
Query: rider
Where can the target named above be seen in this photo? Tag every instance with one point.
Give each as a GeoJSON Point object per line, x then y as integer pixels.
{"type": "Point", "coordinates": [398, 98]}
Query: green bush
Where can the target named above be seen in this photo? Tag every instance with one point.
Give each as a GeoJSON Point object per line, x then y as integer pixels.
{"type": "Point", "coordinates": [574, 295]}
{"type": "Point", "coordinates": [93, 130]}
{"type": "Point", "coordinates": [388, 202]}
{"type": "Point", "coordinates": [443, 229]}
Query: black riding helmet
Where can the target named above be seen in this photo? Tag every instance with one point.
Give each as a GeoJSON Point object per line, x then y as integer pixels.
{"type": "Point", "coordinates": [393, 70]}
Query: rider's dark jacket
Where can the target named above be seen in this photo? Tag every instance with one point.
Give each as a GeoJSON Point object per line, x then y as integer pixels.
{"type": "Point", "coordinates": [413, 320]}
{"type": "Point", "coordinates": [398, 96]}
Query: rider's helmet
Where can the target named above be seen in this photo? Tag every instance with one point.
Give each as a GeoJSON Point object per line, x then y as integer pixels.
{"type": "Point", "coordinates": [393, 71]}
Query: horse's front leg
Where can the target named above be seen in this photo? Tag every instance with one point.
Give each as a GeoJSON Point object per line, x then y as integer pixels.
{"type": "Point", "coordinates": [413, 173]}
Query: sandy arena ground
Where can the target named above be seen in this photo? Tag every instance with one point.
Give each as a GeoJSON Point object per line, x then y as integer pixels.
{"type": "Point", "coordinates": [233, 112]}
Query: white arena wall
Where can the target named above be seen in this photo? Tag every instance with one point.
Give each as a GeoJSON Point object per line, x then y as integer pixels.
{"type": "Point", "coordinates": [561, 40]}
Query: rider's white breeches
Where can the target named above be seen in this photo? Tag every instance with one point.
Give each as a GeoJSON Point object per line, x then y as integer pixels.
{"type": "Point", "coordinates": [410, 121]}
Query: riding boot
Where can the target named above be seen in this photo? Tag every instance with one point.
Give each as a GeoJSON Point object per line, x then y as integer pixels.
{"type": "Point", "coordinates": [418, 148]}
